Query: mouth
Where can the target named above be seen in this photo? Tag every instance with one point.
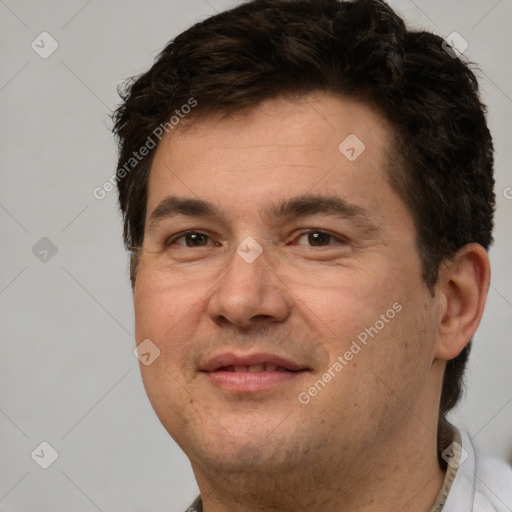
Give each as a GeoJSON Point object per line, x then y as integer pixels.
{"type": "Point", "coordinates": [254, 368]}
{"type": "Point", "coordinates": [251, 373]}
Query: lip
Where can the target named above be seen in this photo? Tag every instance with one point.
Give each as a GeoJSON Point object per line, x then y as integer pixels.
{"type": "Point", "coordinates": [230, 359]}
{"type": "Point", "coordinates": [218, 370]}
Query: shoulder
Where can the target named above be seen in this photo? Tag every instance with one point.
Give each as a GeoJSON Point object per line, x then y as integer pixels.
{"type": "Point", "coordinates": [493, 485]}
{"type": "Point", "coordinates": [481, 484]}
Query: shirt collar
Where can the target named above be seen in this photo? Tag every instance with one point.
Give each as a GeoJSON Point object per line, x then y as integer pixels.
{"type": "Point", "coordinates": [462, 490]}
{"type": "Point", "coordinates": [452, 455]}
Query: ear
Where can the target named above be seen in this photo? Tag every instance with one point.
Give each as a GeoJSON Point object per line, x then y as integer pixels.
{"type": "Point", "coordinates": [463, 285]}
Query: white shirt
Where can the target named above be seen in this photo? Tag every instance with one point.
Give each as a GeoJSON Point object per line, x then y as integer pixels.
{"type": "Point", "coordinates": [481, 484]}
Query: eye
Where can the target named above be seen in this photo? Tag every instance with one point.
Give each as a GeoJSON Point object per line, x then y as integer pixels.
{"type": "Point", "coordinates": [317, 238]}
{"type": "Point", "coordinates": [190, 239]}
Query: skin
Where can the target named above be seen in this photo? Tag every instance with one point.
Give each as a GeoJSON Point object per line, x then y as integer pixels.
{"type": "Point", "coordinates": [365, 441]}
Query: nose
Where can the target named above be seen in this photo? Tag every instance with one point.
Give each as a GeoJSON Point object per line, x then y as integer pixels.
{"type": "Point", "coordinates": [250, 293]}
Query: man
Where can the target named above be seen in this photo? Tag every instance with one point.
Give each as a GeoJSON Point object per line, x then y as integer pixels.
{"type": "Point", "coordinates": [307, 190]}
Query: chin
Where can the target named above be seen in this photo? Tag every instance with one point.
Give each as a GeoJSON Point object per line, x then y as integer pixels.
{"type": "Point", "coordinates": [248, 459]}
{"type": "Point", "coordinates": [243, 453]}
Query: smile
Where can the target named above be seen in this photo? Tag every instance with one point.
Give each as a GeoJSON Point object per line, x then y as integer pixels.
{"type": "Point", "coordinates": [251, 373]}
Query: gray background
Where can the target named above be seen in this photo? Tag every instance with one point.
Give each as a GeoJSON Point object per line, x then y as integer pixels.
{"type": "Point", "coordinates": [67, 372]}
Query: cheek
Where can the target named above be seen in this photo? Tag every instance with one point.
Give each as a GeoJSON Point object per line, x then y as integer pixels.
{"type": "Point", "coordinates": [167, 312]}
{"type": "Point", "coordinates": [346, 302]}
{"type": "Point", "coordinates": [162, 297]}
{"type": "Point", "coordinates": [383, 379]}
{"type": "Point", "coordinates": [382, 329]}
{"type": "Point", "coordinates": [400, 357]}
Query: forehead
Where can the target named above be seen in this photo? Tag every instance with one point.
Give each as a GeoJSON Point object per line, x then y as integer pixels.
{"type": "Point", "coordinates": [281, 148]}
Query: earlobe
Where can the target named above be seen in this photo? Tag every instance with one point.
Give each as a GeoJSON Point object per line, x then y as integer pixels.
{"type": "Point", "coordinates": [463, 283]}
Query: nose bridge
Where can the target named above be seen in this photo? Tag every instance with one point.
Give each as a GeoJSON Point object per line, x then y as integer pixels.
{"type": "Point", "coordinates": [250, 288]}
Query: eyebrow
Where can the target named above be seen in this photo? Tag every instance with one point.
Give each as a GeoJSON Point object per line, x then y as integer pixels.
{"type": "Point", "coordinates": [172, 206]}
{"type": "Point", "coordinates": [295, 207]}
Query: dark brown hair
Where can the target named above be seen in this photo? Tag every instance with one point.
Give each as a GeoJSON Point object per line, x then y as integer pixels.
{"type": "Point", "coordinates": [356, 49]}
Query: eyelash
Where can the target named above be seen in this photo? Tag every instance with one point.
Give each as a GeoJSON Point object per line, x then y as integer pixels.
{"type": "Point", "coordinates": [191, 232]}
{"type": "Point", "coordinates": [303, 233]}
{"type": "Point", "coordinates": [339, 239]}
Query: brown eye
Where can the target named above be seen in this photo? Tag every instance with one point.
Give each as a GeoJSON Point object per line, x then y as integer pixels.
{"type": "Point", "coordinates": [191, 239]}
{"type": "Point", "coordinates": [317, 238]}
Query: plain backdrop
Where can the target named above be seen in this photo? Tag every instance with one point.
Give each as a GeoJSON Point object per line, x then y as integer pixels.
{"type": "Point", "coordinates": [68, 376]}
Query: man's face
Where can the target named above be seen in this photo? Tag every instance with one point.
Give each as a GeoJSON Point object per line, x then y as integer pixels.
{"type": "Point", "coordinates": [250, 333]}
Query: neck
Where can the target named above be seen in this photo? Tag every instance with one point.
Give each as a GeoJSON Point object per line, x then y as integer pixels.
{"type": "Point", "coordinates": [401, 473]}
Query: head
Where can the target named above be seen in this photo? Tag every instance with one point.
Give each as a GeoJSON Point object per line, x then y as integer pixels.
{"type": "Point", "coordinates": [243, 86]}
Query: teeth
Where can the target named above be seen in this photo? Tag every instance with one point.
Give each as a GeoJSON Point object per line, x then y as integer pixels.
{"type": "Point", "coordinates": [254, 368]}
